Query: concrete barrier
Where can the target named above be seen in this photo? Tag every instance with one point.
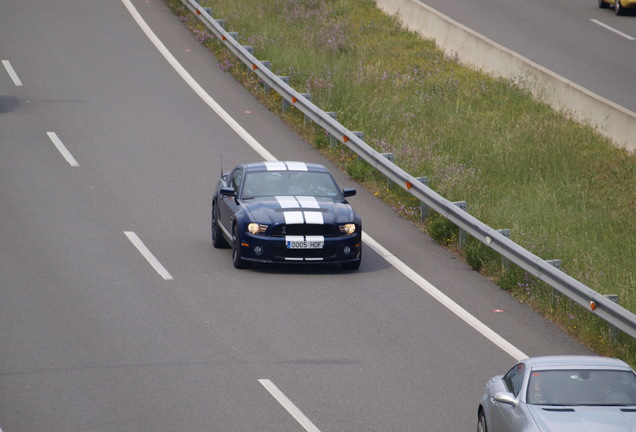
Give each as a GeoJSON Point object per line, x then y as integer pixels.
{"type": "Point", "coordinates": [477, 51]}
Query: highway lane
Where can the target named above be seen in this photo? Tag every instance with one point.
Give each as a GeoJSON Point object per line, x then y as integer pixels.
{"type": "Point", "coordinates": [95, 339]}
{"type": "Point", "coordinates": [569, 38]}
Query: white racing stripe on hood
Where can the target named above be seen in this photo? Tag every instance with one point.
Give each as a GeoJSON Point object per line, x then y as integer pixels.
{"type": "Point", "coordinates": [298, 217]}
{"type": "Point", "coordinates": [308, 202]}
{"type": "Point", "coordinates": [293, 217]}
{"type": "Point", "coordinates": [287, 202]}
{"type": "Point", "coordinates": [314, 218]}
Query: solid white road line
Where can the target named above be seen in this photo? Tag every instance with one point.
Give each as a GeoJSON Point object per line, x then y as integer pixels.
{"type": "Point", "coordinates": [62, 149]}
{"type": "Point", "coordinates": [612, 29]}
{"type": "Point", "coordinates": [392, 259]}
{"type": "Point", "coordinates": [11, 72]}
{"type": "Point", "coordinates": [154, 262]}
{"type": "Point", "coordinates": [444, 299]}
{"type": "Point", "coordinates": [196, 87]}
{"type": "Point", "coordinates": [289, 406]}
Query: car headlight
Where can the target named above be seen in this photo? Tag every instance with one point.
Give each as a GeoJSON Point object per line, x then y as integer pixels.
{"type": "Point", "coordinates": [255, 228]}
{"type": "Point", "coordinates": [348, 228]}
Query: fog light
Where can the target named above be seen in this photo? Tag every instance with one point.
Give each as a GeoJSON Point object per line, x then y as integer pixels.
{"type": "Point", "coordinates": [258, 250]}
{"type": "Point", "coordinates": [346, 250]}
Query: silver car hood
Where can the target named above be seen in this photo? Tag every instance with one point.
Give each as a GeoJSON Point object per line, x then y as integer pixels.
{"type": "Point", "coordinates": [584, 418]}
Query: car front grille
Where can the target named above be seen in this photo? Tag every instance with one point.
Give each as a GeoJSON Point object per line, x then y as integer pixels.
{"type": "Point", "coordinates": [306, 230]}
{"type": "Point", "coordinates": [282, 253]}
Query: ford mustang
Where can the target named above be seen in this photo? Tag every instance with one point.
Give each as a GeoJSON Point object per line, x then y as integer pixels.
{"type": "Point", "coordinates": [561, 394]}
{"type": "Point", "coordinates": [285, 212]}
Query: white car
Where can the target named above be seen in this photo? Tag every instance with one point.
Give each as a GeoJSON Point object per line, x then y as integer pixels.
{"type": "Point", "coordinates": [561, 394]}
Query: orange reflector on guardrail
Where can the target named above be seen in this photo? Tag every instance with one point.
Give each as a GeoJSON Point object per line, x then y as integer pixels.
{"type": "Point", "coordinates": [592, 305]}
{"type": "Point", "coordinates": [409, 185]}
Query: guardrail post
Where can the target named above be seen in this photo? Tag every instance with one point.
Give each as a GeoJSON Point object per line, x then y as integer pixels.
{"type": "Point", "coordinates": [284, 79]}
{"type": "Point", "coordinates": [332, 139]}
{"type": "Point", "coordinates": [613, 331]}
{"type": "Point", "coordinates": [462, 234]}
{"type": "Point", "coordinates": [505, 263]}
{"type": "Point", "coordinates": [221, 22]}
{"type": "Point", "coordinates": [361, 136]}
{"type": "Point", "coordinates": [308, 97]}
{"type": "Point", "coordinates": [268, 65]}
{"type": "Point", "coordinates": [555, 294]}
{"type": "Point", "coordinates": [208, 10]}
{"type": "Point", "coordinates": [250, 50]}
{"type": "Point", "coordinates": [391, 157]}
{"type": "Point", "coordinates": [234, 35]}
{"type": "Point", "coordinates": [423, 207]}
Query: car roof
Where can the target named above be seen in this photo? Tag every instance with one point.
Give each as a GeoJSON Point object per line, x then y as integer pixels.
{"type": "Point", "coordinates": [283, 166]}
{"type": "Point", "coordinates": [578, 361]}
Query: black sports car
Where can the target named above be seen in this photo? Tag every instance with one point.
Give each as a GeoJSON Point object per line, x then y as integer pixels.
{"type": "Point", "coordinates": [285, 212]}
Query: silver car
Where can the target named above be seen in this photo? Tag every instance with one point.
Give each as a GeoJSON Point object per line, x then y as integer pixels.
{"type": "Point", "coordinates": [561, 394]}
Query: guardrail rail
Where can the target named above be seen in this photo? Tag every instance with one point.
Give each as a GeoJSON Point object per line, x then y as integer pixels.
{"type": "Point", "coordinates": [589, 299]}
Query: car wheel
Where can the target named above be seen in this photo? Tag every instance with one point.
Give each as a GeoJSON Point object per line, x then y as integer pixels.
{"type": "Point", "coordinates": [602, 4]}
{"type": "Point", "coordinates": [218, 241]}
{"type": "Point", "coordinates": [481, 423]}
{"type": "Point", "coordinates": [619, 9]}
{"type": "Point", "coordinates": [237, 259]}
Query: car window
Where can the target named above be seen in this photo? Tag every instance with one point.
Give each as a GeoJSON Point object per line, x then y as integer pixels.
{"type": "Point", "coordinates": [290, 183]}
{"type": "Point", "coordinates": [236, 179]}
{"type": "Point", "coordinates": [582, 387]}
{"type": "Point", "coordinates": [513, 380]}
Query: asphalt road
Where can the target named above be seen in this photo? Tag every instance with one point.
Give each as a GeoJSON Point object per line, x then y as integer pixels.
{"type": "Point", "coordinates": [587, 45]}
{"type": "Point", "coordinates": [95, 338]}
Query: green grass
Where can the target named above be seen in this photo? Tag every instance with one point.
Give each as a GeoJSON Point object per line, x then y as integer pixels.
{"type": "Point", "coordinates": [563, 190]}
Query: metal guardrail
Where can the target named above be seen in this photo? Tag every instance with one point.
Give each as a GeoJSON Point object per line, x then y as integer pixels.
{"type": "Point", "coordinates": [589, 299]}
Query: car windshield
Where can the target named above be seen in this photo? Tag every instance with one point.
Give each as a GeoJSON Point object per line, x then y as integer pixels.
{"type": "Point", "coordinates": [289, 183]}
{"type": "Point", "coordinates": [582, 387]}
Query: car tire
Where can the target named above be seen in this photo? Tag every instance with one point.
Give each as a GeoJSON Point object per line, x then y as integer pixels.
{"type": "Point", "coordinates": [619, 9]}
{"type": "Point", "coordinates": [602, 4]}
{"type": "Point", "coordinates": [237, 259]}
{"type": "Point", "coordinates": [218, 241]}
{"type": "Point", "coordinates": [481, 423]}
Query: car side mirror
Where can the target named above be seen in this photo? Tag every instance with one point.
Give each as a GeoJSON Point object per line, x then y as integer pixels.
{"type": "Point", "coordinates": [506, 398]}
{"type": "Point", "coordinates": [228, 191]}
{"type": "Point", "coordinates": [347, 192]}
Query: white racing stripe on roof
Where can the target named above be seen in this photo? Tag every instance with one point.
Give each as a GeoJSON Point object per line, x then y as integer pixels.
{"type": "Point", "coordinates": [275, 166]}
{"type": "Point", "coordinates": [308, 202]}
{"type": "Point", "coordinates": [297, 166]}
{"type": "Point", "coordinates": [287, 202]}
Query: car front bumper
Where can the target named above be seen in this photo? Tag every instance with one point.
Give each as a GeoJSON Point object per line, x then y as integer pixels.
{"type": "Point", "coordinates": [264, 249]}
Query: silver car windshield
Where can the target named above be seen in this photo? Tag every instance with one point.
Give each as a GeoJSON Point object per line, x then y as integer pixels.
{"type": "Point", "coordinates": [289, 183]}
{"type": "Point", "coordinates": [582, 387]}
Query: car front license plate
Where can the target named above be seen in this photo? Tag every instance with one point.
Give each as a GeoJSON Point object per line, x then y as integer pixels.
{"type": "Point", "coordinates": [305, 244]}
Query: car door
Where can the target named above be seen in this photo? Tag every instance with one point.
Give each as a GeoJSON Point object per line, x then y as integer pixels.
{"type": "Point", "coordinates": [506, 417]}
{"type": "Point", "coordinates": [228, 205]}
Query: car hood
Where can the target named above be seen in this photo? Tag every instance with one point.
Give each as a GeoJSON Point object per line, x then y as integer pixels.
{"type": "Point", "coordinates": [271, 210]}
{"type": "Point", "coordinates": [584, 418]}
